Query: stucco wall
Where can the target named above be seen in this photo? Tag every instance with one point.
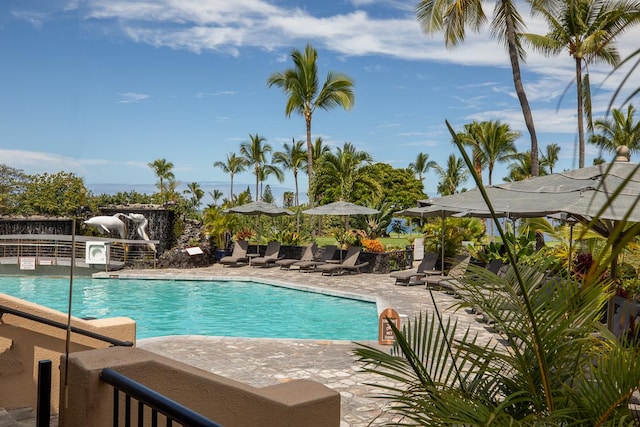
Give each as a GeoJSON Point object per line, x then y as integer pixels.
{"type": "Point", "coordinates": [23, 343]}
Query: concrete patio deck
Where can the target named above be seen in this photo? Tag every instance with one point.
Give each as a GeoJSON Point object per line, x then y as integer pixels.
{"type": "Point", "coordinates": [262, 362]}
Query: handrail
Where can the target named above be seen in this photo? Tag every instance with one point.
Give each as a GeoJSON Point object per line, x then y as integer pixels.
{"type": "Point", "coordinates": [156, 401]}
{"type": "Point", "coordinates": [60, 325]}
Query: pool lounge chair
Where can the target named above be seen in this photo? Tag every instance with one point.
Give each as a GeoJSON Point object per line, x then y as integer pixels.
{"type": "Point", "coordinates": [349, 264]}
{"type": "Point", "coordinates": [425, 268]}
{"type": "Point", "coordinates": [325, 256]}
{"type": "Point", "coordinates": [239, 254]}
{"type": "Point", "coordinates": [309, 254]}
{"type": "Point", "coordinates": [449, 283]}
{"type": "Point", "coordinates": [270, 256]}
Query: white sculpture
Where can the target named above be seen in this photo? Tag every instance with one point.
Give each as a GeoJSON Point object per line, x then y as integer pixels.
{"type": "Point", "coordinates": [113, 223]}
{"type": "Point", "coordinates": [109, 224]}
{"type": "Point", "coordinates": [141, 225]}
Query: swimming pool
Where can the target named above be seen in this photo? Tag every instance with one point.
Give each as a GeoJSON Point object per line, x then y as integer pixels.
{"type": "Point", "coordinates": [194, 307]}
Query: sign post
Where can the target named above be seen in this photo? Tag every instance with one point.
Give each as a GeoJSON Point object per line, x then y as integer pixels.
{"type": "Point", "coordinates": [385, 333]}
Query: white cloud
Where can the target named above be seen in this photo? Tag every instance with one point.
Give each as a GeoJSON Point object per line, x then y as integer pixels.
{"type": "Point", "coordinates": [132, 97]}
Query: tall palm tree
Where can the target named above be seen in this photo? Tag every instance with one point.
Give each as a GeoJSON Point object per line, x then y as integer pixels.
{"type": "Point", "coordinates": [318, 150]}
{"type": "Point", "coordinates": [264, 172]}
{"type": "Point", "coordinates": [292, 158]}
{"type": "Point", "coordinates": [453, 16]}
{"type": "Point", "coordinates": [496, 142]}
{"type": "Point", "coordinates": [587, 29]}
{"type": "Point", "coordinates": [216, 195]}
{"type": "Point", "coordinates": [550, 157]}
{"type": "Point", "coordinates": [255, 154]}
{"type": "Point", "coordinates": [344, 172]}
{"type": "Point", "coordinates": [233, 165]}
{"type": "Point", "coordinates": [163, 170]}
{"type": "Point", "coordinates": [622, 130]}
{"type": "Point", "coordinates": [304, 95]}
{"type": "Point", "coordinates": [422, 165]}
{"type": "Point", "coordinates": [453, 176]}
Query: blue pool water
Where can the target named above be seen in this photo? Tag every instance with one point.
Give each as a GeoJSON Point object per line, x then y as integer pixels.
{"type": "Point", "coordinates": [215, 308]}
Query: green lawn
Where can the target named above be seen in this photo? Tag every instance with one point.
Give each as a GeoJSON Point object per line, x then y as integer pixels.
{"type": "Point", "coordinates": [395, 241]}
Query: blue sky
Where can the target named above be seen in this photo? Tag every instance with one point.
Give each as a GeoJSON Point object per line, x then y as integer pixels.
{"type": "Point", "coordinates": [103, 87]}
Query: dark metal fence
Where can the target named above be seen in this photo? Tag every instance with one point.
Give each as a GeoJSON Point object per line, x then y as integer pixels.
{"type": "Point", "coordinates": [149, 402]}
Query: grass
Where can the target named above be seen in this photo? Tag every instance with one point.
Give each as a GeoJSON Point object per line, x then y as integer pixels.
{"type": "Point", "coordinates": [392, 242]}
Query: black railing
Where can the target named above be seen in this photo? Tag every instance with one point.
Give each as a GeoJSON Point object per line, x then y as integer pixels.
{"type": "Point", "coordinates": [146, 397]}
{"type": "Point", "coordinates": [60, 325]}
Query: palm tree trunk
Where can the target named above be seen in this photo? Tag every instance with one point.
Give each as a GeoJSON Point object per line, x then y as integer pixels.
{"type": "Point", "coordinates": [517, 83]}
{"type": "Point", "coordinates": [231, 189]}
{"type": "Point", "coordinates": [580, 112]}
{"type": "Point", "coordinates": [307, 118]}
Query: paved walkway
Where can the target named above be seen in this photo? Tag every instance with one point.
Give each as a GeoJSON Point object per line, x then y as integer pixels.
{"type": "Point", "coordinates": [263, 362]}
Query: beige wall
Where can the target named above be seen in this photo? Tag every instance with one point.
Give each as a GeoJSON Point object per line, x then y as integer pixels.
{"type": "Point", "coordinates": [296, 403]}
{"type": "Point", "coordinates": [23, 343]}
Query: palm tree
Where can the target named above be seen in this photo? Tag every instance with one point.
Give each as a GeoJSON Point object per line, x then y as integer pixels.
{"type": "Point", "coordinates": [263, 174]}
{"type": "Point", "coordinates": [422, 165]}
{"type": "Point", "coordinates": [622, 130]}
{"type": "Point", "coordinates": [451, 177]}
{"type": "Point", "coordinates": [520, 167]}
{"type": "Point", "coordinates": [587, 29]}
{"type": "Point", "coordinates": [255, 153]}
{"type": "Point", "coordinates": [496, 143]}
{"type": "Point", "coordinates": [452, 16]}
{"type": "Point", "coordinates": [551, 156]}
{"type": "Point", "coordinates": [300, 84]}
{"type": "Point", "coordinates": [292, 158]}
{"type": "Point", "coordinates": [196, 192]}
{"type": "Point", "coordinates": [234, 164]}
{"type": "Point", "coordinates": [216, 195]}
{"type": "Point", "coordinates": [163, 170]}
{"type": "Point", "coordinates": [344, 172]}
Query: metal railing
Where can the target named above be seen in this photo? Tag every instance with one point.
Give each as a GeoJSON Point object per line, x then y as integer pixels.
{"type": "Point", "coordinates": [146, 397]}
{"type": "Point", "coordinates": [57, 249]}
{"type": "Point", "coordinates": [60, 325]}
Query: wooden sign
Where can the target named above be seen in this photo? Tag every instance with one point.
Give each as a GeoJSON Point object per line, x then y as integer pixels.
{"type": "Point", "coordinates": [385, 333]}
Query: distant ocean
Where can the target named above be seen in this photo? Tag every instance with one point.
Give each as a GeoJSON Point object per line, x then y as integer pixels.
{"type": "Point", "coordinates": [207, 186]}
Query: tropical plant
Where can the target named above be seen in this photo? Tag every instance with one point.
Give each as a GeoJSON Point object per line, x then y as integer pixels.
{"type": "Point", "coordinates": [12, 181]}
{"type": "Point", "coordinates": [304, 95]}
{"type": "Point", "coordinates": [492, 142]}
{"type": "Point", "coordinates": [264, 172]}
{"type": "Point", "coordinates": [196, 194]}
{"type": "Point", "coordinates": [292, 158]}
{"type": "Point", "coordinates": [164, 171]}
{"type": "Point", "coordinates": [399, 187]}
{"type": "Point", "coordinates": [233, 165]}
{"type": "Point", "coordinates": [342, 174]}
{"type": "Point", "coordinates": [454, 16]}
{"type": "Point", "coordinates": [452, 176]}
{"type": "Point", "coordinates": [456, 230]}
{"type": "Point", "coordinates": [622, 130]}
{"type": "Point", "coordinates": [422, 165]}
{"type": "Point", "coordinates": [216, 195]}
{"type": "Point", "coordinates": [587, 29]}
{"type": "Point", "coordinates": [554, 364]}
{"type": "Point", "coordinates": [520, 167]}
{"type": "Point", "coordinates": [255, 154]}
{"type": "Point", "coordinates": [551, 155]}
{"type": "Point", "coordinates": [58, 194]}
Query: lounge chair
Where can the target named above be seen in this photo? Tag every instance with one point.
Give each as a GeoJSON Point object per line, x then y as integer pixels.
{"type": "Point", "coordinates": [425, 268]}
{"type": "Point", "coordinates": [307, 255]}
{"type": "Point", "coordinates": [239, 254]}
{"type": "Point", "coordinates": [449, 282]}
{"type": "Point", "coordinates": [350, 263]}
{"type": "Point", "coordinates": [326, 255]}
{"type": "Point", "coordinates": [270, 256]}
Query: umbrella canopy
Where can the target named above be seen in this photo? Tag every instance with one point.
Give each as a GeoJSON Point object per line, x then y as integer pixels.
{"type": "Point", "coordinates": [580, 193]}
{"type": "Point", "coordinates": [342, 209]}
{"type": "Point", "coordinates": [259, 208]}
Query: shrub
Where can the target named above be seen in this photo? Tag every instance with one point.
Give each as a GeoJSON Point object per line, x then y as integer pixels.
{"type": "Point", "coordinates": [372, 245]}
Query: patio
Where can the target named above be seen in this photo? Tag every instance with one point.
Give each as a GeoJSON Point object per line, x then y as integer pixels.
{"type": "Point", "coordinates": [262, 362]}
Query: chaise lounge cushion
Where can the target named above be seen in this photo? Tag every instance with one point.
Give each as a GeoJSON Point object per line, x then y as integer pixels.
{"type": "Point", "coordinates": [270, 256]}
{"type": "Point", "coordinates": [425, 268]}
{"type": "Point", "coordinates": [307, 255]}
{"type": "Point", "coordinates": [350, 263]}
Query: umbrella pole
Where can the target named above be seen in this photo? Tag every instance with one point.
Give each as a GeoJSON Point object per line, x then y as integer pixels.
{"type": "Point", "coordinates": [442, 245]}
